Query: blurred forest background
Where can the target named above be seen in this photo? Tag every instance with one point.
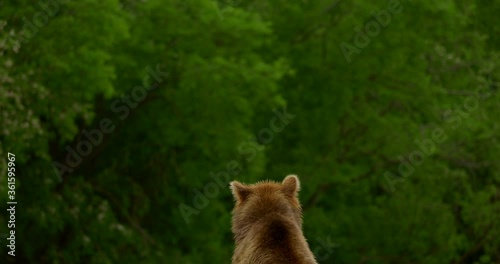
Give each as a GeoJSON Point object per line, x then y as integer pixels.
{"type": "Point", "coordinates": [388, 112]}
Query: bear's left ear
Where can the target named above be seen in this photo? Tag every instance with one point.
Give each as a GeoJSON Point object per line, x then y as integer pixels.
{"type": "Point", "coordinates": [291, 185]}
{"type": "Point", "coordinates": [240, 191]}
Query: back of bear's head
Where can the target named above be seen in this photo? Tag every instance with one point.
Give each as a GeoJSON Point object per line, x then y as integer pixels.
{"type": "Point", "coordinates": [266, 199]}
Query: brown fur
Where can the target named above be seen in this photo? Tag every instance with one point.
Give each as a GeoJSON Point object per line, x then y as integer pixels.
{"type": "Point", "coordinates": [267, 224]}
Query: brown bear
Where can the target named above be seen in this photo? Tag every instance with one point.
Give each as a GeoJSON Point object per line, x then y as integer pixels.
{"type": "Point", "coordinates": [267, 223]}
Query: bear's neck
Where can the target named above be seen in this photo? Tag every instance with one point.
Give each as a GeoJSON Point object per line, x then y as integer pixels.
{"type": "Point", "coordinates": [272, 235]}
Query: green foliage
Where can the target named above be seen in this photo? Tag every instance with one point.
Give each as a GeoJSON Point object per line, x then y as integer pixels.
{"type": "Point", "coordinates": [223, 70]}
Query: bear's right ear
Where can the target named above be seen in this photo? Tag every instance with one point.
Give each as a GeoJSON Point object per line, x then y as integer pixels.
{"type": "Point", "coordinates": [291, 185]}
{"type": "Point", "coordinates": [240, 191]}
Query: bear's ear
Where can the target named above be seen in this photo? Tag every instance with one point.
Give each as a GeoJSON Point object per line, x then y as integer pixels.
{"type": "Point", "coordinates": [240, 191]}
{"type": "Point", "coordinates": [291, 185]}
